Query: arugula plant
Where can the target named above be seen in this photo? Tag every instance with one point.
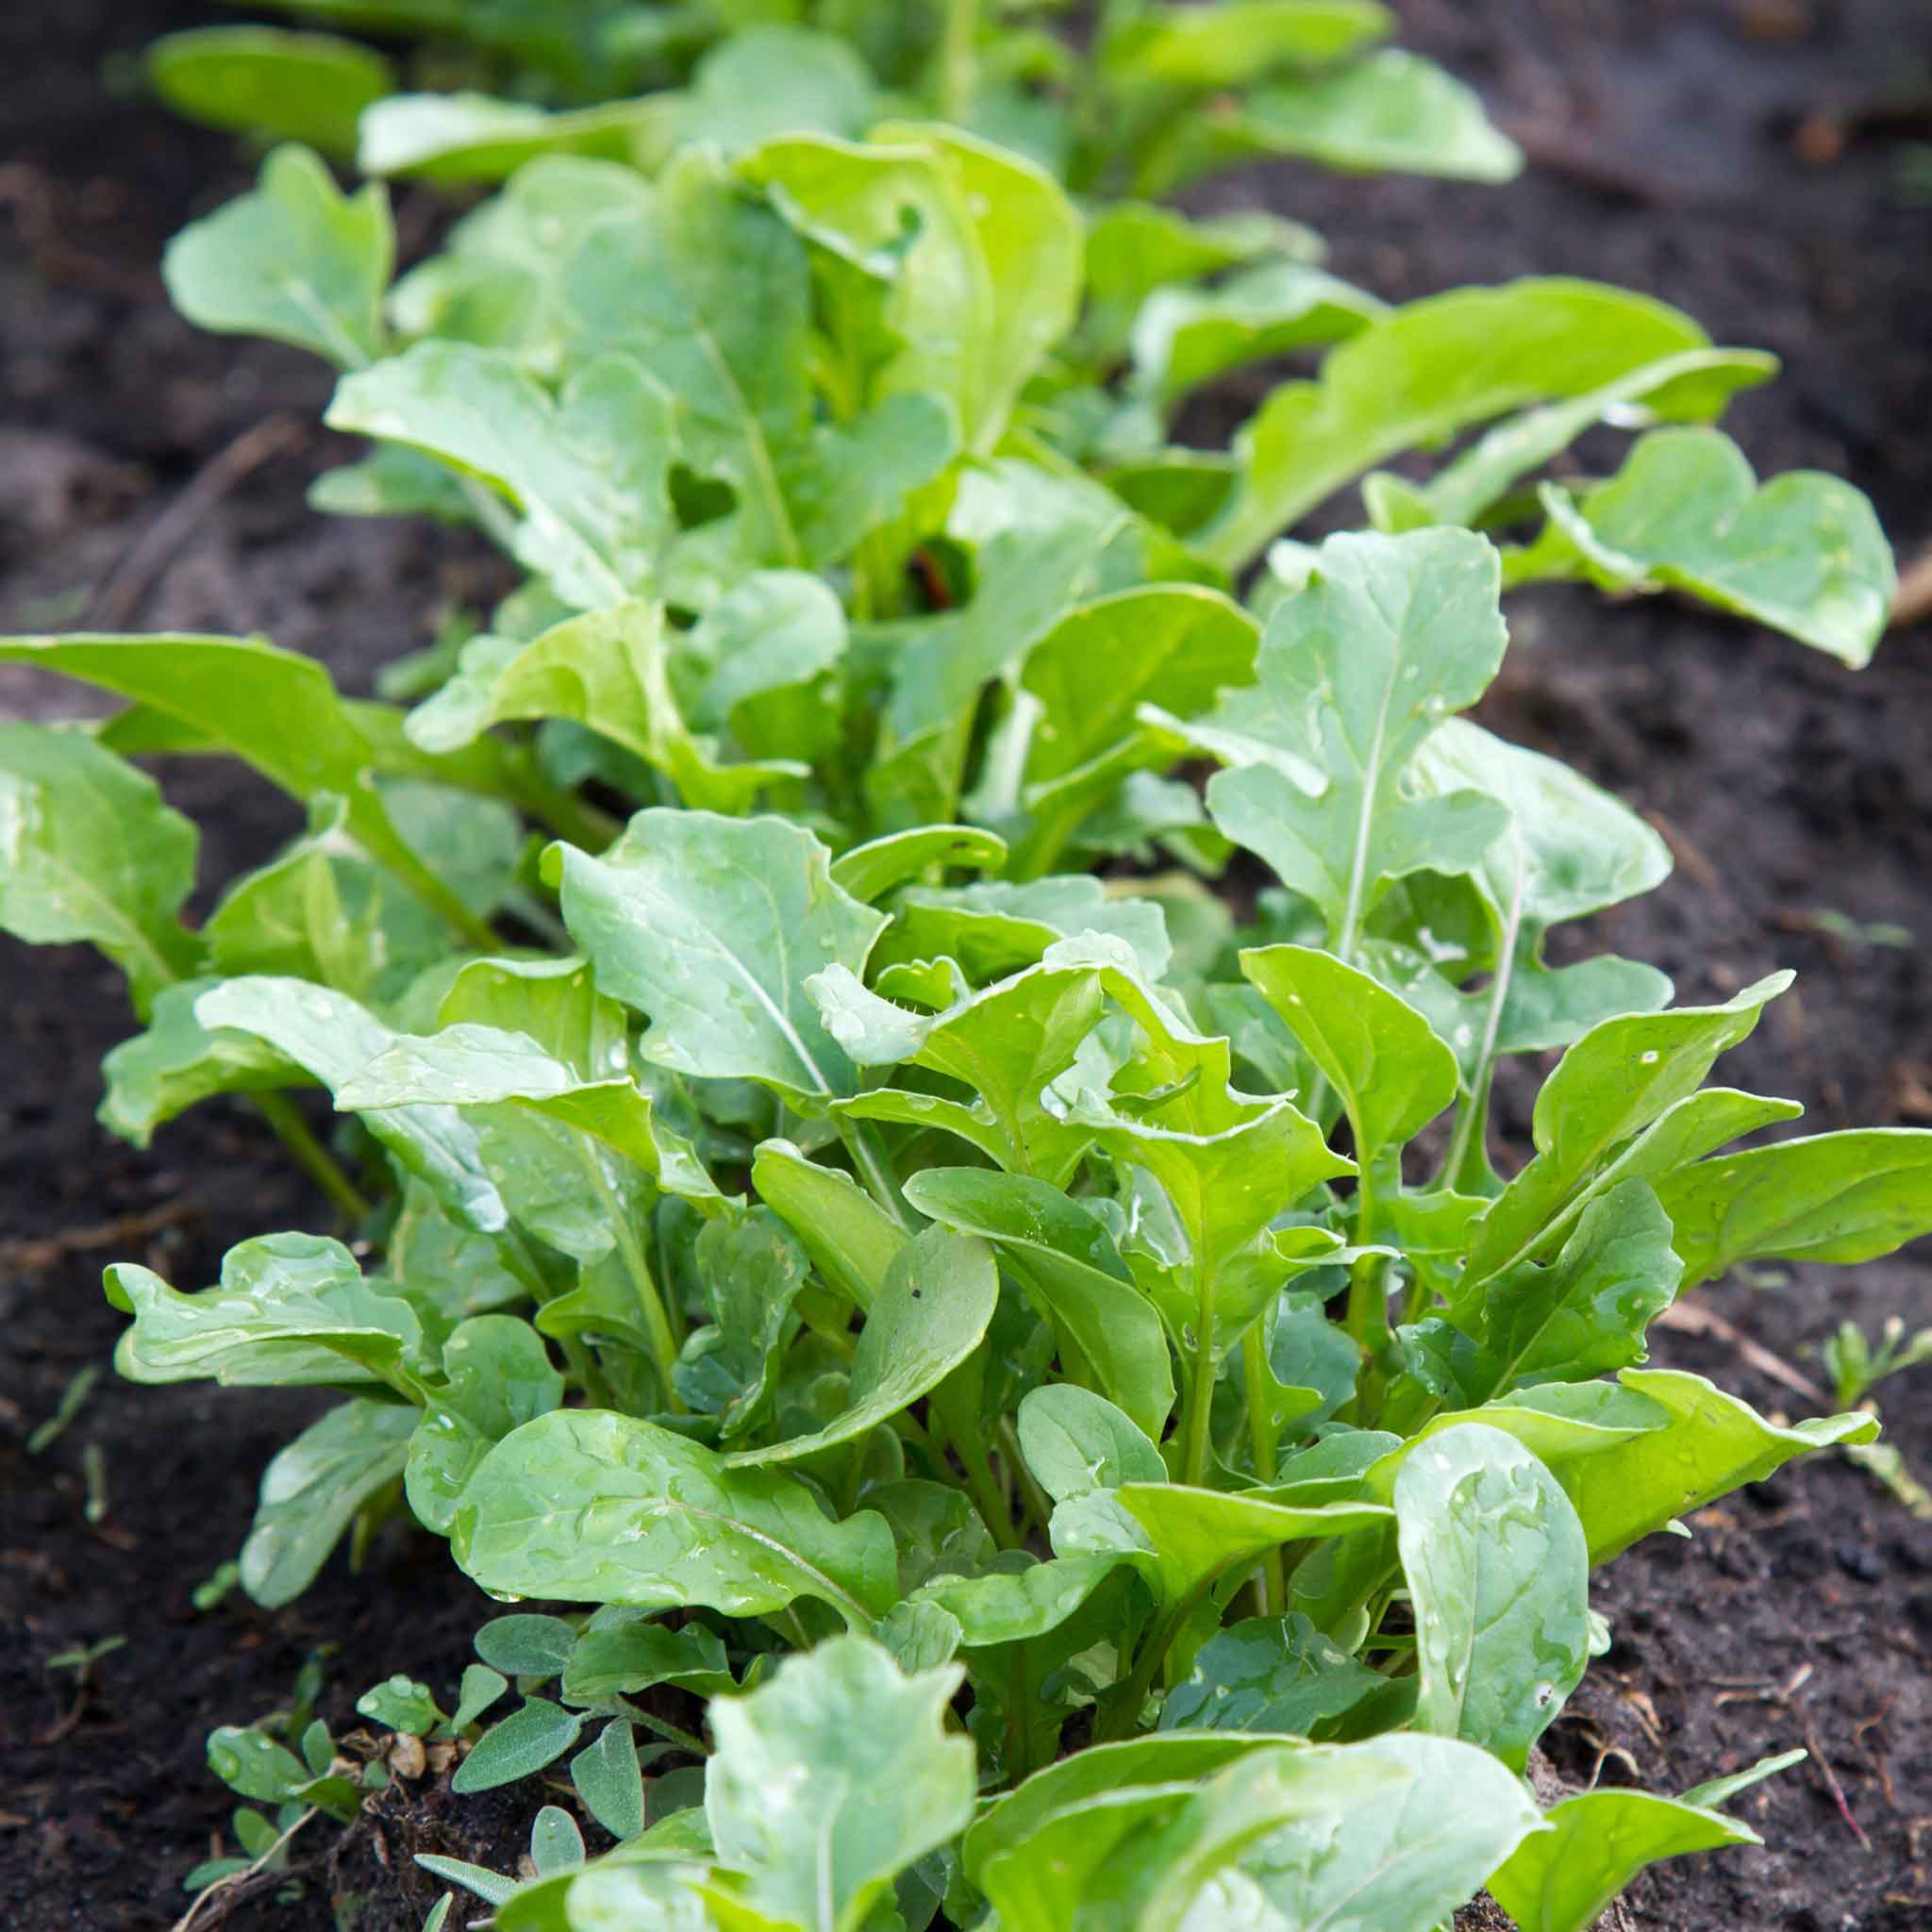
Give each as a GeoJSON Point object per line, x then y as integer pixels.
{"type": "Point", "coordinates": [1064, 1314]}
{"type": "Point", "coordinates": [1163, 95]}
{"type": "Point", "coordinates": [807, 1216]}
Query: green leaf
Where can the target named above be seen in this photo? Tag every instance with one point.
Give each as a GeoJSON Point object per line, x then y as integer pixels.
{"type": "Point", "coordinates": [1268, 1673]}
{"type": "Point", "coordinates": [402, 1705]}
{"type": "Point", "coordinates": [524, 1742]}
{"type": "Point", "coordinates": [291, 1308]}
{"type": "Point", "coordinates": [594, 1508]}
{"type": "Point", "coordinates": [556, 1843]}
{"type": "Point", "coordinates": [1389, 112]}
{"type": "Point", "coordinates": [985, 283]}
{"type": "Point", "coordinates": [1109, 1335]}
{"type": "Point", "coordinates": [499, 280]}
{"type": "Point", "coordinates": [766, 665]}
{"type": "Point", "coordinates": [311, 1490]}
{"type": "Point", "coordinates": [1708, 1444]}
{"type": "Point", "coordinates": [1183, 337]}
{"type": "Point", "coordinates": [618, 1660]}
{"type": "Point", "coordinates": [834, 1777]}
{"type": "Point", "coordinates": [262, 81]}
{"type": "Point", "coordinates": [1228, 1165]}
{"type": "Point", "coordinates": [936, 1528]}
{"type": "Point", "coordinates": [487, 1068]}
{"type": "Point", "coordinates": [1718, 1791]}
{"type": "Point", "coordinates": [1497, 1568]}
{"type": "Point", "coordinates": [1041, 544]}
{"type": "Point", "coordinates": [1174, 646]}
{"type": "Point", "coordinates": [609, 1780]}
{"type": "Point", "coordinates": [1015, 1606]}
{"type": "Point", "coordinates": [1570, 850]}
{"type": "Point", "coordinates": [1803, 553]}
{"type": "Point", "coordinates": [163, 1072]}
{"type": "Point", "coordinates": [712, 927]}
{"type": "Point", "coordinates": [1393, 1075]}
{"type": "Point", "coordinates": [499, 1376]}
{"type": "Point", "coordinates": [295, 260]}
{"type": "Point", "coordinates": [1562, 1879]}
{"type": "Point", "coordinates": [467, 137]}
{"type": "Point", "coordinates": [1587, 1312]}
{"type": "Point", "coordinates": [711, 300]}
{"type": "Point", "coordinates": [1694, 386]}
{"type": "Point", "coordinates": [491, 1886]}
{"type": "Point", "coordinates": [999, 926]}
{"type": "Point", "coordinates": [1070, 1786]}
{"type": "Point", "coordinates": [851, 1239]}
{"type": "Point", "coordinates": [332, 1037]}
{"type": "Point", "coordinates": [609, 671]}
{"type": "Point", "coordinates": [527, 1645]}
{"type": "Point", "coordinates": [1076, 1442]}
{"type": "Point", "coordinates": [767, 80]}
{"type": "Point", "coordinates": [480, 1687]}
{"type": "Point", "coordinates": [588, 472]}
{"type": "Point", "coordinates": [869, 872]}
{"type": "Point", "coordinates": [1357, 671]}
{"type": "Point", "coordinates": [252, 1765]}
{"type": "Point", "coordinates": [1235, 42]}
{"type": "Point", "coordinates": [1395, 1833]}
{"type": "Point", "coordinates": [88, 850]}
{"type": "Point", "coordinates": [753, 1269]}
{"type": "Point", "coordinates": [1392, 1834]}
{"type": "Point", "coordinates": [1425, 371]}
{"type": "Point", "coordinates": [1833, 1197]}
{"type": "Point", "coordinates": [930, 1313]}
{"type": "Point", "coordinates": [278, 711]}
{"type": "Point", "coordinates": [1004, 1045]}
{"type": "Point", "coordinates": [321, 910]}
{"type": "Point", "coordinates": [1625, 1078]}
{"type": "Point", "coordinates": [1182, 1538]}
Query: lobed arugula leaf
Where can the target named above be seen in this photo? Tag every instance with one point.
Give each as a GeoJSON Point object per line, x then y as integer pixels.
{"type": "Point", "coordinates": [295, 260]}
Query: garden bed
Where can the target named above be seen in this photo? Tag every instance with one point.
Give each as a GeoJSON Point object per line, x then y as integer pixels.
{"type": "Point", "coordinates": [1668, 144]}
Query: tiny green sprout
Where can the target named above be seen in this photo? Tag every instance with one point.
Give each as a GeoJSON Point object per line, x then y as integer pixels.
{"type": "Point", "coordinates": [208, 1594]}
{"type": "Point", "coordinates": [72, 1399]}
{"type": "Point", "coordinates": [82, 1658]}
{"type": "Point", "coordinates": [1857, 1367]}
{"type": "Point", "coordinates": [93, 1469]}
{"type": "Point", "coordinates": [1860, 934]}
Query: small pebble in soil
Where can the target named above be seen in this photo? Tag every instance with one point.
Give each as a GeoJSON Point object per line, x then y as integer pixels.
{"type": "Point", "coordinates": [1861, 1561]}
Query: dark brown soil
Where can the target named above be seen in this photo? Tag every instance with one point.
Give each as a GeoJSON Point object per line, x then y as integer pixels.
{"type": "Point", "coordinates": [1736, 158]}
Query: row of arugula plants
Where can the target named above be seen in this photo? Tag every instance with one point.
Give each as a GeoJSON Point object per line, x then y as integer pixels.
{"type": "Point", "coordinates": [1031, 1342]}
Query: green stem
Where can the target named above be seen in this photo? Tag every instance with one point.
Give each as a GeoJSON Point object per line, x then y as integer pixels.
{"type": "Point", "coordinates": [1036, 1503]}
{"type": "Point", "coordinates": [1124, 1714]}
{"type": "Point", "coordinates": [981, 1483]}
{"type": "Point", "coordinates": [868, 1156]}
{"type": "Point", "coordinates": [1273, 1578]}
{"type": "Point", "coordinates": [960, 62]}
{"type": "Point", "coordinates": [670, 1732]}
{"type": "Point", "coordinates": [1368, 1323]}
{"type": "Point", "coordinates": [310, 1155]}
{"type": "Point", "coordinates": [1197, 1420]}
{"type": "Point", "coordinates": [1019, 1737]}
{"type": "Point", "coordinates": [560, 811]}
{"type": "Point", "coordinates": [1470, 1112]}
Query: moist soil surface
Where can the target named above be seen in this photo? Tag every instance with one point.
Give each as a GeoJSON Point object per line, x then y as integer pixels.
{"type": "Point", "coordinates": [1742, 160]}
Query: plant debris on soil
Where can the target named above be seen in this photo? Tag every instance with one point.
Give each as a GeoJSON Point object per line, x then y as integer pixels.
{"type": "Point", "coordinates": [1736, 157]}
